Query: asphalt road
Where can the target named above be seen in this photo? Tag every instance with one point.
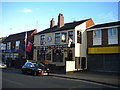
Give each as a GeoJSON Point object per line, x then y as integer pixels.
{"type": "Point", "coordinates": [13, 78]}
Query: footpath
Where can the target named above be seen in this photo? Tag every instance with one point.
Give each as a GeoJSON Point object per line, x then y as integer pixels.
{"type": "Point", "coordinates": [106, 78]}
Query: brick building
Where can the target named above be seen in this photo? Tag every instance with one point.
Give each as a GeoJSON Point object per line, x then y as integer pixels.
{"type": "Point", "coordinates": [15, 46]}
{"type": "Point", "coordinates": [103, 43]}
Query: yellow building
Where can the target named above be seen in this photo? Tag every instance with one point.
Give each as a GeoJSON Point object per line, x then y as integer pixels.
{"type": "Point", "coordinates": [63, 45]}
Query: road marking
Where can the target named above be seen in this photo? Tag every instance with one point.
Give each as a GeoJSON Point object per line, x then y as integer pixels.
{"type": "Point", "coordinates": [107, 86]}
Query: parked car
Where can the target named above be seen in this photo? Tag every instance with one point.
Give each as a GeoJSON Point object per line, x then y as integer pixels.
{"type": "Point", "coordinates": [35, 69]}
{"type": "Point", "coordinates": [2, 65]}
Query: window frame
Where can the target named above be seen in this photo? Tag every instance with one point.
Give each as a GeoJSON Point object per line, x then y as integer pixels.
{"type": "Point", "coordinates": [97, 40]}
{"type": "Point", "coordinates": [113, 38]}
{"type": "Point", "coordinates": [64, 33]}
{"type": "Point", "coordinates": [42, 38]}
{"type": "Point", "coordinates": [70, 34]}
{"type": "Point", "coordinates": [57, 37]}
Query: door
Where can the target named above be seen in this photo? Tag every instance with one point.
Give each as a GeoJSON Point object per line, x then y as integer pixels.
{"type": "Point", "coordinates": [83, 63]}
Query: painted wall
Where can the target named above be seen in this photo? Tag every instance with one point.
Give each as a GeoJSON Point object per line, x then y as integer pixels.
{"type": "Point", "coordinates": [81, 47]}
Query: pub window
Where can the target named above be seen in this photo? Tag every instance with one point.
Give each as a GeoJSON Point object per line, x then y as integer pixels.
{"type": "Point", "coordinates": [70, 34]}
{"type": "Point", "coordinates": [57, 38]}
{"type": "Point", "coordinates": [79, 37]}
{"type": "Point", "coordinates": [63, 37]}
{"type": "Point", "coordinates": [42, 39]}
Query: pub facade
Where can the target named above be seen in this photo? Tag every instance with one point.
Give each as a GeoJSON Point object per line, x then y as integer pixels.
{"type": "Point", "coordinates": [63, 45]}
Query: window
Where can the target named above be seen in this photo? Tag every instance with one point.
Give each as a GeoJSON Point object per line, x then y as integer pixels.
{"type": "Point", "coordinates": [42, 39]}
{"type": "Point", "coordinates": [9, 45]}
{"type": "Point", "coordinates": [17, 44]}
{"type": "Point", "coordinates": [63, 37]}
{"type": "Point", "coordinates": [57, 38]}
{"type": "Point", "coordinates": [97, 37]}
{"type": "Point", "coordinates": [70, 34]}
{"type": "Point", "coordinates": [112, 36]}
{"type": "Point", "coordinates": [79, 37]}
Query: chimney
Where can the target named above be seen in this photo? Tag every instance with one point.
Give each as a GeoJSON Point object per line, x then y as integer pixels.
{"type": "Point", "coordinates": [52, 23]}
{"type": "Point", "coordinates": [60, 20]}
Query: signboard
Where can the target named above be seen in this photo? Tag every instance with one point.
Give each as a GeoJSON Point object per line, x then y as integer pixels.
{"type": "Point", "coordinates": [103, 50]}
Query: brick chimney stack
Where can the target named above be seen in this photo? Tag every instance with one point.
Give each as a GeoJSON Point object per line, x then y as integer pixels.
{"type": "Point", "coordinates": [52, 23]}
{"type": "Point", "coordinates": [60, 20]}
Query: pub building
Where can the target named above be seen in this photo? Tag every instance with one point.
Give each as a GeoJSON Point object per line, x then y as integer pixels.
{"type": "Point", "coordinates": [63, 45]}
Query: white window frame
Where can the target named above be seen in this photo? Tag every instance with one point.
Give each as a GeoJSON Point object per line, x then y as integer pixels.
{"type": "Point", "coordinates": [97, 37]}
{"type": "Point", "coordinates": [113, 36]}
{"type": "Point", "coordinates": [8, 45]}
{"type": "Point", "coordinates": [17, 44]}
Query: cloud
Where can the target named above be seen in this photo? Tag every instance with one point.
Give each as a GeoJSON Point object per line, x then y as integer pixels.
{"type": "Point", "coordinates": [107, 16]}
{"type": "Point", "coordinates": [26, 10]}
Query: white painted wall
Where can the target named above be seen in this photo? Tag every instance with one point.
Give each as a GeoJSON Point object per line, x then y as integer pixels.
{"type": "Point", "coordinates": [37, 40]}
{"type": "Point", "coordinates": [80, 49]}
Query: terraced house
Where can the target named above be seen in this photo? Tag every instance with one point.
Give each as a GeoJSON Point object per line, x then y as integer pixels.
{"type": "Point", "coordinates": [15, 47]}
{"type": "Point", "coordinates": [64, 44]}
{"type": "Point", "coordinates": [103, 42]}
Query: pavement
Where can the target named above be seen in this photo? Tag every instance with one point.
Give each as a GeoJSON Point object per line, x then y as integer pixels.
{"type": "Point", "coordinates": [105, 78]}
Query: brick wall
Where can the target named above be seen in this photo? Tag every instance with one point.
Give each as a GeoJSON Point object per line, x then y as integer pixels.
{"type": "Point", "coordinates": [104, 37]}
{"type": "Point", "coordinates": [89, 38]}
{"type": "Point", "coordinates": [89, 23]}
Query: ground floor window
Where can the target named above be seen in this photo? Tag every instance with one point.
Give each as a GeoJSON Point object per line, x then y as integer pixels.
{"type": "Point", "coordinates": [57, 55]}
{"type": "Point", "coordinates": [48, 56]}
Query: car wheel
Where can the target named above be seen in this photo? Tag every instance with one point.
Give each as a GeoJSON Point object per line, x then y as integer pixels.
{"type": "Point", "coordinates": [34, 73]}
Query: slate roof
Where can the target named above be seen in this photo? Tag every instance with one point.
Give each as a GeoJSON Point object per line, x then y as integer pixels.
{"type": "Point", "coordinates": [104, 25]}
{"type": "Point", "coordinates": [66, 26]}
{"type": "Point", "coordinates": [18, 36]}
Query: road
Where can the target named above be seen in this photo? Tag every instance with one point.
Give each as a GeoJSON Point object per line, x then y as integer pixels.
{"type": "Point", "coordinates": [13, 78]}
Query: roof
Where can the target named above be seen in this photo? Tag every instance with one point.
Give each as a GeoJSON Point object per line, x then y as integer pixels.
{"type": "Point", "coordinates": [105, 25]}
{"type": "Point", "coordinates": [66, 26]}
{"type": "Point", "coordinates": [18, 36]}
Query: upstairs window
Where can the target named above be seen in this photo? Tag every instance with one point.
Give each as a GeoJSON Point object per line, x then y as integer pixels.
{"type": "Point", "coordinates": [57, 38]}
{"type": "Point", "coordinates": [17, 44]}
{"type": "Point", "coordinates": [79, 37]}
{"type": "Point", "coordinates": [63, 37]}
{"type": "Point", "coordinates": [9, 45]}
{"type": "Point", "coordinates": [42, 39]}
{"type": "Point", "coordinates": [97, 37]}
{"type": "Point", "coordinates": [70, 34]}
{"type": "Point", "coordinates": [113, 36]}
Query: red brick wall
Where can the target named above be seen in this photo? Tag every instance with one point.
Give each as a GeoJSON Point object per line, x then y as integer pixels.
{"type": "Point", "coordinates": [104, 37]}
{"type": "Point", "coordinates": [89, 23]}
{"type": "Point", "coordinates": [90, 38]}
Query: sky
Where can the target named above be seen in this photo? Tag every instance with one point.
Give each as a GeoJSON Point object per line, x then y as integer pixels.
{"type": "Point", "coordinates": [24, 16]}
